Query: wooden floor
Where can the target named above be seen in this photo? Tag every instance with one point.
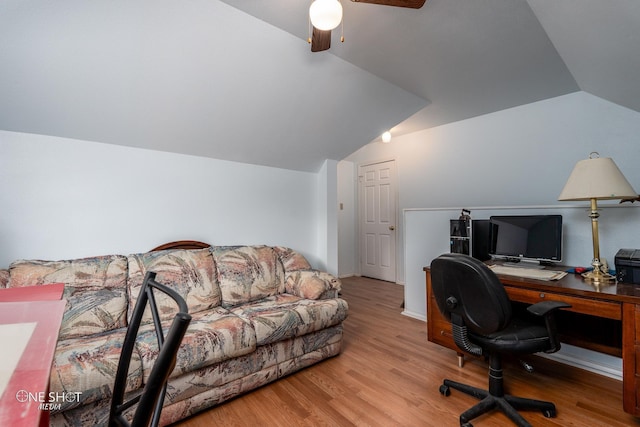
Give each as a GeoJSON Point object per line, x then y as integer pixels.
{"type": "Point", "coordinates": [388, 374]}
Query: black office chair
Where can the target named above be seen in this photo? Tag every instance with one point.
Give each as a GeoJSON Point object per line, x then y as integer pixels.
{"type": "Point", "coordinates": [470, 295]}
{"type": "Point", "coordinates": [151, 398]}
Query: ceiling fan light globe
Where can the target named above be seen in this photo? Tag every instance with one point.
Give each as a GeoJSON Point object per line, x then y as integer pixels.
{"type": "Point", "coordinates": [325, 14]}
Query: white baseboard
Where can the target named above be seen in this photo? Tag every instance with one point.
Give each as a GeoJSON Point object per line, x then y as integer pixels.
{"type": "Point", "coordinates": [592, 361]}
{"type": "Point", "coordinates": [415, 315]}
{"type": "Point", "coordinates": [344, 276]}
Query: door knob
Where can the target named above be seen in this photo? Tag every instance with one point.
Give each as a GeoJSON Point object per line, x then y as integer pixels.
{"type": "Point", "coordinates": [392, 227]}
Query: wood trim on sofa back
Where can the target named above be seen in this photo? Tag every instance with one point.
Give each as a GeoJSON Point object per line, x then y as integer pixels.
{"type": "Point", "coordinates": [181, 244]}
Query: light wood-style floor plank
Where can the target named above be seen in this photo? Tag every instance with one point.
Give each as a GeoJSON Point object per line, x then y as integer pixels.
{"type": "Point", "coordinates": [388, 374]}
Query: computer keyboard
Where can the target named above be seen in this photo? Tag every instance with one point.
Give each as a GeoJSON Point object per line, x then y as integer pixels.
{"type": "Point", "coordinates": [528, 273]}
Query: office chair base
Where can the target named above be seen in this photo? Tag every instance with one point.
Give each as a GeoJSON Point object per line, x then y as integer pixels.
{"type": "Point", "coordinates": [508, 404]}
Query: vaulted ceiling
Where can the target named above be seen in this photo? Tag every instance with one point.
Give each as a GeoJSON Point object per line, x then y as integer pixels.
{"type": "Point", "coordinates": [235, 79]}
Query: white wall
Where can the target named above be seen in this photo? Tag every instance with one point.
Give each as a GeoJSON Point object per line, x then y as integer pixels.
{"type": "Point", "coordinates": [347, 238]}
{"type": "Point", "coordinates": [62, 198]}
{"type": "Point", "coordinates": [517, 157]}
{"type": "Point", "coordinates": [327, 217]}
{"type": "Point", "coordinates": [427, 236]}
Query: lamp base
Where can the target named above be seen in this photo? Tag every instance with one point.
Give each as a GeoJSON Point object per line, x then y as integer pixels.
{"type": "Point", "coordinates": [598, 277]}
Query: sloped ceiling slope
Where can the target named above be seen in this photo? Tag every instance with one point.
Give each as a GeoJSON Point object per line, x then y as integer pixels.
{"type": "Point", "coordinates": [467, 57]}
{"type": "Point", "coordinates": [235, 79]}
{"type": "Point", "coordinates": [600, 43]}
{"type": "Point", "coordinates": [196, 77]}
{"type": "Point", "coordinates": [472, 57]}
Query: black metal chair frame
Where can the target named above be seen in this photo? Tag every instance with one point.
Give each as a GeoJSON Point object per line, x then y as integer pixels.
{"type": "Point", "coordinates": [470, 336]}
{"type": "Point", "coordinates": [151, 399]}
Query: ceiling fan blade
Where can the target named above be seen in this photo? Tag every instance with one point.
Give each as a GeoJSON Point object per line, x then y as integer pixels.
{"type": "Point", "coordinates": [320, 40]}
{"type": "Point", "coordinates": [414, 4]}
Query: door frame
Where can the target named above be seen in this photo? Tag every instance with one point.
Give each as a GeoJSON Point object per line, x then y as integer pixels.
{"type": "Point", "coordinates": [359, 212]}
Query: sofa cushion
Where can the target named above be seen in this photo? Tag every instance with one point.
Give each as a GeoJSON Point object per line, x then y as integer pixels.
{"type": "Point", "coordinates": [190, 272]}
{"type": "Point", "coordinates": [95, 290]}
{"type": "Point", "coordinates": [87, 368]}
{"type": "Point", "coordinates": [213, 336]}
{"type": "Point", "coordinates": [312, 284]}
{"type": "Point", "coordinates": [292, 260]}
{"type": "Point", "coordinates": [248, 273]}
{"type": "Point", "coordinates": [286, 316]}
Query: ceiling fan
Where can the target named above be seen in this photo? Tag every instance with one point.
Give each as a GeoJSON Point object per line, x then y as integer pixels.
{"type": "Point", "coordinates": [326, 15]}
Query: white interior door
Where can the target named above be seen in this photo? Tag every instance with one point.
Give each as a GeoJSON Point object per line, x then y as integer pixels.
{"type": "Point", "coordinates": [377, 220]}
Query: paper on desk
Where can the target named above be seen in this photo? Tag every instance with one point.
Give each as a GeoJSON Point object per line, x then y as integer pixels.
{"type": "Point", "coordinates": [528, 273]}
{"type": "Point", "coordinates": [15, 337]}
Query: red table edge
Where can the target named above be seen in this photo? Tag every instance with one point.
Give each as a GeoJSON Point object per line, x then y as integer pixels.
{"type": "Point", "coordinates": [34, 368]}
{"type": "Point", "coordinates": [46, 292]}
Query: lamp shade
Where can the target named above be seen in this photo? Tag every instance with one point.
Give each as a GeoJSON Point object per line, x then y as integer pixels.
{"type": "Point", "coordinates": [325, 14]}
{"type": "Point", "coordinates": [597, 178]}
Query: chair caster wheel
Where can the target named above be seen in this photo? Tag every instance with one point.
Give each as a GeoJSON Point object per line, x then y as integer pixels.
{"type": "Point", "coordinates": [445, 390]}
{"type": "Point", "coordinates": [549, 413]}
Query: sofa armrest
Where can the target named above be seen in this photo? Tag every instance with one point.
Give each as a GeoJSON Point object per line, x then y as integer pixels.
{"type": "Point", "coordinates": [4, 278]}
{"type": "Point", "coordinates": [312, 284]}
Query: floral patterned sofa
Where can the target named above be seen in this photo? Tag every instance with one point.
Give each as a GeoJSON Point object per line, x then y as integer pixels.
{"type": "Point", "coordinates": [259, 313]}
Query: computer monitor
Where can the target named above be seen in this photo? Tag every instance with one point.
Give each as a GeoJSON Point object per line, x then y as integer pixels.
{"type": "Point", "coordinates": [526, 237]}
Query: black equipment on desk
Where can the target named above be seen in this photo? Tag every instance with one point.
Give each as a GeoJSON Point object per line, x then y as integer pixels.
{"type": "Point", "coordinates": [460, 233]}
{"type": "Point", "coordinates": [470, 237]}
{"type": "Point", "coordinates": [628, 265]}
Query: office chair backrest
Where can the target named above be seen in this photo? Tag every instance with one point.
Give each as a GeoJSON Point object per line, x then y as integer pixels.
{"type": "Point", "coordinates": [466, 287]}
{"type": "Point", "coordinates": [151, 399]}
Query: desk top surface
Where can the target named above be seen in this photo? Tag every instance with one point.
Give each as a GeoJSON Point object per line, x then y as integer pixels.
{"type": "Point", "coordinates": [573, 284]}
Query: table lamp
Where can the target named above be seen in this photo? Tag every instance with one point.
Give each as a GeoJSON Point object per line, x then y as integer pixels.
{"type": "Point", "coordinates": [596, 179]}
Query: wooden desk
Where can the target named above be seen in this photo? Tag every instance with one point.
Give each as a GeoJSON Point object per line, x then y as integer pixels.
{"type": "Point", "coordinates": [29, 383]}
{"type": "Point", "coordinates": [607, 320]}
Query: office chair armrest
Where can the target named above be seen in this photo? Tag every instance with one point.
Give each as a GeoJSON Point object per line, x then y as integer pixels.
{"type": "Point", "coordinates": [546, 309]}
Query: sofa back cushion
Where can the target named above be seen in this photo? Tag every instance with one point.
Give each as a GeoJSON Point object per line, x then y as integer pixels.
{"type": "Point", "coordinates": [291, 259]}
{"type": "Point", "coordinates": [248, 273]}
{"type": "Point", "coordinates": [95, 290]}
{"type": "Point", "coordinates": [191, 273]}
